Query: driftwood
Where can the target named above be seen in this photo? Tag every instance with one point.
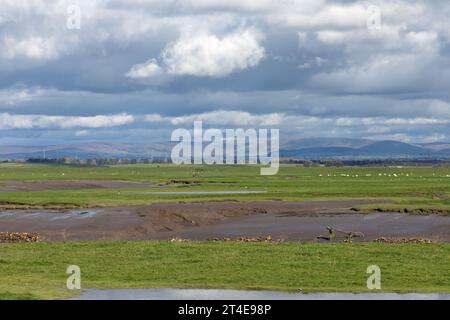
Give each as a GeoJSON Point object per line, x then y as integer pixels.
{"type": "Point", "coordinates": [349, 235]}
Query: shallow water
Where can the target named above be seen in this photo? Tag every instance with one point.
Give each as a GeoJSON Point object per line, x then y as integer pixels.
{"type": "Point", "coordinates": [48, 215]}
{"type": "Point", "coordinates": [221, 294]}
{"type": "Point", "coordinates": [75, 215]}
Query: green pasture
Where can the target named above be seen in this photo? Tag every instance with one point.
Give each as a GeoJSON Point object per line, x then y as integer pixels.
{"type": "Point", "coordinates": [396, 187]}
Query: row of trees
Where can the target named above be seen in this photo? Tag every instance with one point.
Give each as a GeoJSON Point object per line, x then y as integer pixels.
{"type": "Point", "coordinates": [97, 161]}
{"type": "Point", "coordinates": [302, 162]}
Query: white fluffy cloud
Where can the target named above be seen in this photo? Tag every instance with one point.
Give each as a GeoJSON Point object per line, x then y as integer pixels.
{"type": "Point", "coordinates": [221, 117]}
{"type": "Point", "coordinates": [240, 118]}
{"type": "Point", "coordinates": [147, 69]}
{"type": "Point", "coordinates": [11, 97]}
{"type": "Point", "coordinates": [14, 121]}
{"type": "Point", "coordinates": [33, 48]}
{"type": "Point", "coordinates": [321, 15]}
{"type": "Point", "coordinates": [210, 55]}
{"type": "Point", "coordinates": [205, 54]}
{"type": "Point", "coordinates": [377, 128]}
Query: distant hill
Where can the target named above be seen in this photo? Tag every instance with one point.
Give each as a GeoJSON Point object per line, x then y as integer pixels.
{"type": "Point", "coordinates": [394, 148]}
{"type": "Point", "coordinates": [87, 150]}
{"type": "Point", "coordinates": [310, 148]}
{"type": "Point", "coordinates": [354, 148]}
{"type": "Point", "coordinates": [322, 152]}
{"type": "Point", "coordinates": [436, 146]}
{"type": "Point", "coordinates": [443, 153]}
{"type": "Point", "coordinates": [324, 142]}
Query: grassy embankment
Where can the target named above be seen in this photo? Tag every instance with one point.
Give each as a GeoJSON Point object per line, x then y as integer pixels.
{"type": "Point", "coordinates": [32, 271]}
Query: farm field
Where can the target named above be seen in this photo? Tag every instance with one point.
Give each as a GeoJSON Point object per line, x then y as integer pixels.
{"type": "Point", "coordinates": [413, 188]}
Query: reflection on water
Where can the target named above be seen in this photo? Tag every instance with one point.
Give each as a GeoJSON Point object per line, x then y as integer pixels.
{"type": "Point", "coordinates": [221, 294]}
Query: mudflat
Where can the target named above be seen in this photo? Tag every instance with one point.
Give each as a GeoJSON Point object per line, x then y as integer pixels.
{"type": "Point", "coordinates": [151, 221]}
{"type": "Point", "coordinates": [42, 185]}
{"type": "Point", "coordinates": [292, 221]}
{"type": "Point", "coordinates": [306, 227]}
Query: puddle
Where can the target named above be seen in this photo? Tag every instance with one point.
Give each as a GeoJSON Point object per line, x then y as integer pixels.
{"type": "Point", "coordinates": [222, 294]}
{"type": "Point", "coordinates": [7, 214]}
{"type": "Point", "coordinates": [198, 192]}
{"type": "Point", "coordinates": [7, 189]}
{"type": "Point", "coordinates": [48, 215]}
{"type": "Point", "coordinates": [30, 215]}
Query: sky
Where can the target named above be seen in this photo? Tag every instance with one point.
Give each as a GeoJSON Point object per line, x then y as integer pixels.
{"type": "Point", "coordinates": [134, 70]}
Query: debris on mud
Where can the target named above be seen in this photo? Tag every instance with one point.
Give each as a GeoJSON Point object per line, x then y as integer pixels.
{"type": "Point", "coordinates": [259, 210]}
{"type": "Point", "coordinates": [179, 240]}
{"type": "Point", "coordinates": [348, 235]}
{"type": "Point", "coordinates": [238, 239]}
{"type": "Point", "coordinates": [247, 239]}
{"type": "Point", "coordinates": [402, 240]}
{"type": "Point", "coordinates": [19, 237]}
{"type": "Point", "coordinates": [173, 181]}
{"type": "Point", "coordinates": [412, 211]}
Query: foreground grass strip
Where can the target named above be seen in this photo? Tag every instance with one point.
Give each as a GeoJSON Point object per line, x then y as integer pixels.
{"type": "Point", "coordinates": [29, 271]}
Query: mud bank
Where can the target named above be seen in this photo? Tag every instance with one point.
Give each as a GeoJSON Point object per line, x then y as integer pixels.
{"type": "Point", "coordinates": [158, 221]}
{"type": "Point", "coordinates": [301, 227]}
{"type": "Point", "coordinates": [283, 221]}
{"type": "Point", "coordinates": [11, 186]}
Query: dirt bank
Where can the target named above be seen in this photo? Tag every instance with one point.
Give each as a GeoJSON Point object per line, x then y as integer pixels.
{"type": "Point", "coordinates": [285, 221]}
{"type": "Point", "coordinates": [11, 186]}
{"type": "Point", "coordinates": [300, 227]}
{"type": "Point", "coordinates": [156, 221]}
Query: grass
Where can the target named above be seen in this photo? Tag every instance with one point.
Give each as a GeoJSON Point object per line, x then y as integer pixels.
{"type": "Point", "coordinates": [37, 271]}
{"type": "Point", "coordinates": [409, 187]}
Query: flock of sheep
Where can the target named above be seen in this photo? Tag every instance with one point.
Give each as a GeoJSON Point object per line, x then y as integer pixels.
{"type": "Point", "coordinates": [370, 175]}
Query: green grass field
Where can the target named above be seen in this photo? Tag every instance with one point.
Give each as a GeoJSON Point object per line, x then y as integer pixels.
{"type": "Point", "coordinates": [33, 271]}
{"type": "Point", "coordinates": [37, 271]}
{"type": "Point", "coordinates": [409, 187]}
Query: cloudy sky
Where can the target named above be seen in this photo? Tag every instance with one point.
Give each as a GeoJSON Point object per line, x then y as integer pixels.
{"type": "Point", "coordinates": [134, 70]}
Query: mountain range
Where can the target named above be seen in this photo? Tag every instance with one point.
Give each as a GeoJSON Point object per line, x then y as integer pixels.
{"type": "Point", "coordinates": [310, 148]}
{"type": "Point", "coordinates": [87, 150]}
{"type": "Point", "coordinates": [361, 148]}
